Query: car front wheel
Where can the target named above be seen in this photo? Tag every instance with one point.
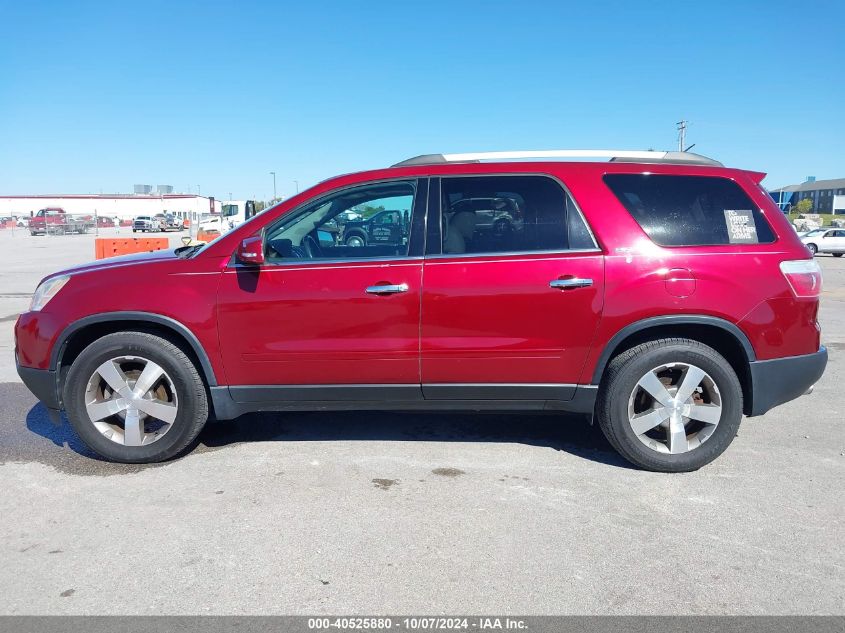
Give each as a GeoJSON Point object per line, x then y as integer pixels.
{"type": "Point", "coordinates": [812, 248]}
{"type": "Point", "coordinates": [671, 405]}
{"type": "Point", "coordinates": [135, 397]}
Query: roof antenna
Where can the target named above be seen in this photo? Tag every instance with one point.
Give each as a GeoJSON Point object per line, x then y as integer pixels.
{"type": "Point", "coordinates": [689, 148]}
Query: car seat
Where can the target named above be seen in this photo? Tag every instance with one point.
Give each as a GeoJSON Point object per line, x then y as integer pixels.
{"type": "Point", "coordinates": [457, 230]}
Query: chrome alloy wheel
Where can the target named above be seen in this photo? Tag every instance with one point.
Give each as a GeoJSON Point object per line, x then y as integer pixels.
{"type": "Point", "coordinates": [674, 408]}
{"type": "Point", "coordinates": [131, 401]}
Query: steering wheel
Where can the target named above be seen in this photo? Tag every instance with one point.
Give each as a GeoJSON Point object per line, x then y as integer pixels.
{"type": "Point", "coordinates": [311, 247]}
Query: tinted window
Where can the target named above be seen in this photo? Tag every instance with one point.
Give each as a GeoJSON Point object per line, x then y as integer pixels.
{"type": "Point", "coordinates": [355, 223]}
{"type": "Point", "coordinates": [503, 214]}
{"type": "Point", "coordinates": [690, 210]}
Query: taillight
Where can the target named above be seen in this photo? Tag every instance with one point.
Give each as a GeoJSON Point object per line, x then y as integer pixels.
{"type": "Point", "coordinates": [804, 277]}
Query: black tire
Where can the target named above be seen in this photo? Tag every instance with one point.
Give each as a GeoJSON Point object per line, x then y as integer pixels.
{"type": "Point", "coordinates": [355, 236]}
{"type": "Point", "coordinates": [134, 230]}
{"type": "Point", "coordinates": [190, 390]}
{"type": "Point", "coordinates": [620, 379]}
{"type": "Point", "coordinates": [837, 254]}
{"type": "Point", "coordinates": [812, 248]}
{"type": "Point", "coordinates": [502, 227]}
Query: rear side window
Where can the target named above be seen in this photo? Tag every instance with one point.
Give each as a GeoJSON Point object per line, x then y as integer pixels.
{"type": "Point", "coordinates": [509, 214]}
{"type": "Point", "coordinates": [691, 210]}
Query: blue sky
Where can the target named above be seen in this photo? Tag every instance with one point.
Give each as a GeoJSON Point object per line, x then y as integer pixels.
{"type": "Point", "coordinates": [98, 96]}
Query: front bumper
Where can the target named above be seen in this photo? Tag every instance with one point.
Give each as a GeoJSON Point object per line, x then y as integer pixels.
{"type": "Point", "coordinates": [780, 380]}
{"type": "Point", "coordinates": [42, 383]}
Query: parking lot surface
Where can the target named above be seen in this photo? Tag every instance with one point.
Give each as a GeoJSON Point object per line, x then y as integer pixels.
{"type": "Point", "coordinates": [383, 513]}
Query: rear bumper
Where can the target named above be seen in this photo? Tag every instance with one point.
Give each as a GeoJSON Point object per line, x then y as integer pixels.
{"type": "Point", "coordinates": [780, 380]}
{"type": "Point", "coordinates": [42, 383]}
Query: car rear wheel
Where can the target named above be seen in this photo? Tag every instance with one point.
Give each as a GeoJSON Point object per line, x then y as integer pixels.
{"type": "Point", "coordinates": [135, 397]}
{"type": "Point", "coordinates": [671, 405]}
{"type": "Point", "coordinates": [502, 228]}
{"type": "Point", "coordinates": [355, 240]}
{"type": "Point", "coordinates": [837, 254]}
{"type": "Point", "coordinates": [813, 248]}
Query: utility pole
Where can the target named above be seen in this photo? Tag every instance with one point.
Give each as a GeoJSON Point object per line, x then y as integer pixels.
{"type": "Point", "coordinates": [199, 192]}
{"type": "Point", "coordinates": [272, 173]}
{"type": "Point", "coordinates": [682, 134]}
{"type": "Point", "coordinates": [296, 182]}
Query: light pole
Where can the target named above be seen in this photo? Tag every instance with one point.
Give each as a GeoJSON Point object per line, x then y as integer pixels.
{"type": "Point", "coordinates": [199, 191]}
{"type": "Point", "coordinates": [272, 173]}
{"type": "Point", "coordinates": [296, 182]}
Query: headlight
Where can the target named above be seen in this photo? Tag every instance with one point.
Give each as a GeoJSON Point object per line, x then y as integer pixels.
{"type": "Point", "coordinates": [46, 291]}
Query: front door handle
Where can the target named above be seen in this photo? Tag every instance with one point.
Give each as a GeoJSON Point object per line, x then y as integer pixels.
{"type": "Point", "coordinates": [570, 282]}
{"type": "Point", "coordinates": [387, 289]}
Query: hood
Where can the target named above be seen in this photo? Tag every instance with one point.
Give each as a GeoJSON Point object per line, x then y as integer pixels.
{"type": "Point", "coordinates": [122, 260]}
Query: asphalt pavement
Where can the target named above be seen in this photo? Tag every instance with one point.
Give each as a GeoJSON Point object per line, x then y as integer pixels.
{"type": "Point", "coordinates": [383, 513]}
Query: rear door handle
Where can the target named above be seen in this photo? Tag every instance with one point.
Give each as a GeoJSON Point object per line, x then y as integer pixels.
{"type": "Point", "coordinates": [571, 282]}
{"type": "Point", "coordinates": [387, 289]}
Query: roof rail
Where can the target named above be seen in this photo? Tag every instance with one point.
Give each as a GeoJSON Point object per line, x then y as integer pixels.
{"type": "Point", "coordinates": [649, 156]}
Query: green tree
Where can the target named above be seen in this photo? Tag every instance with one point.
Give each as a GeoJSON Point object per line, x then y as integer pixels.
{"type": "Point", "coordinates": [804, 206]}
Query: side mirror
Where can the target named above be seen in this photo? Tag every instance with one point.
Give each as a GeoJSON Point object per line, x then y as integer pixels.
{"type": "Point", "coordinates": [251, 251]}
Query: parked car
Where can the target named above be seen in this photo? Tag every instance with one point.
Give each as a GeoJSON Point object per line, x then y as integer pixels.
{"type": "Point", "coordinates": [498, 216]}
{"type": "Point", "coordinates": [660, 293]}
{"type": "Point", "coordinates": [825, 241]}
{"type": "Point", "coordinates": [384, 227]}
{"type": "Point", "coordinates": [55, 221]}
{"type": "Point", "coordinates": [168, 222]}
{"type": "Point", "coordinates": [145, 224]}
{"type": "Point", "coordinates": [811, 232]}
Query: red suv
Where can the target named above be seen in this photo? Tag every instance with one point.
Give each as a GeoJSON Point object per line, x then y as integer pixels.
{"type": "Point", "coordinates": [660, 293]}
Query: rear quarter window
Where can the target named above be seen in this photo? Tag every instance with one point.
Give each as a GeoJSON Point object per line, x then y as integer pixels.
{"type": "Point", "coordinates": [691, 210]}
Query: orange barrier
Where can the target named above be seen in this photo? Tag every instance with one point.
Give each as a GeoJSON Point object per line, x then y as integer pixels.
{"type": "Point", "coordinates": [112, 247]}
{"type": "Point", "coordinates": [207, 236]}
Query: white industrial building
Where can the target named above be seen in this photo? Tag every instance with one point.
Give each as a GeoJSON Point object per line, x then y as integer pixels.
{"type": "Point", "coordinates": [122, 206]}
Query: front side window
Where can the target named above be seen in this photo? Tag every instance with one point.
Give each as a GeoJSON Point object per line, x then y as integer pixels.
{"type": "Point", "coordinates": [508, 214]}
{"type": "Point", "coordinates": [691, 210]}
{"type": "Point", "coordinates": [356, 223]}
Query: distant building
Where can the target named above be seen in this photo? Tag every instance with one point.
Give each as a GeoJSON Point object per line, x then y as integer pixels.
{"type": "Point", "coordinates": [123, 206]}
{"type": "Point", "coordinates": [828, 196]}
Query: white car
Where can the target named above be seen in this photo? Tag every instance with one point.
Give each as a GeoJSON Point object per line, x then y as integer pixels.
{"type": "Point", "coordinates": [811, 232]}
{"type": "Point", "coordinates": [825, 241]}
